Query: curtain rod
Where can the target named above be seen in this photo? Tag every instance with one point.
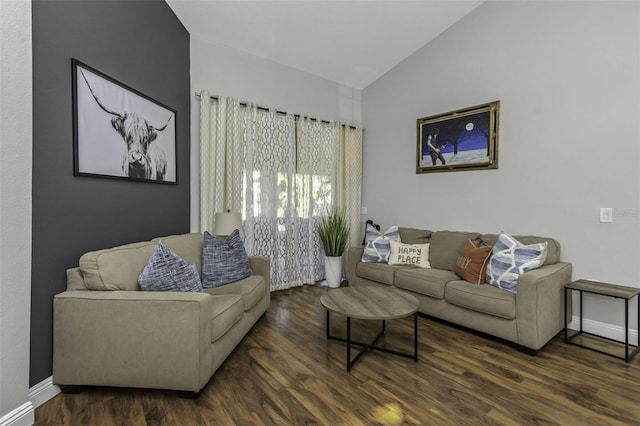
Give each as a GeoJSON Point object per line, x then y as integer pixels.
{"type": "Point", "coordinates": [261, 108]}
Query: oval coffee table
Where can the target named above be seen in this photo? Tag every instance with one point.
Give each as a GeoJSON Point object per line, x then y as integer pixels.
{"type": "Point", "coordinates": [370, 303]}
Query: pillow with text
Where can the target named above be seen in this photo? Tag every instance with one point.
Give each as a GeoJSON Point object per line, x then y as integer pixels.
{"type": "Point", "coordinates": [409, 254]}
{"type": "Point", "coordinates": [472, 261]}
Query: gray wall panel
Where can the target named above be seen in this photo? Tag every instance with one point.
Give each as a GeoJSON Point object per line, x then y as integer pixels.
{"type": "Point", "coordinates": [143, 45]}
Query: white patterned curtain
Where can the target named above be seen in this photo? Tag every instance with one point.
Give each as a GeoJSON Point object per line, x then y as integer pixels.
{"type": "Point", "coordinates": [281, 173]}
{"type": "Point", "coordinates": [271, 225]}
{"type": "Point", "coordinates": [222, 152]}
{"type": "Point", "coordinates": [316, 184]}
{"type": "Point", "coordinates": [349, 184]}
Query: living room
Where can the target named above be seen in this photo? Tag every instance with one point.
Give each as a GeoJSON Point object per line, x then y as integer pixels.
{"type": "Point", "coordinates": [566, 74]}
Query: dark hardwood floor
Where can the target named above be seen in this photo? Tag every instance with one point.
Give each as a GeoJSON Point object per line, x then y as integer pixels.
{"type": "Point", "coordinates": [285, 372]}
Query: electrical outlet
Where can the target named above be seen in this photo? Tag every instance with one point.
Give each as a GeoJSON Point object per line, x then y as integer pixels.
{"type": "Point", "coordinates": [363, 210]}
{"type": "Point", "coordinates": [606, 215]}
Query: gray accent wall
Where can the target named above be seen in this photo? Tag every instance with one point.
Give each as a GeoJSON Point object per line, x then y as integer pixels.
{"type": "Point", "coordinates": [143, 45]}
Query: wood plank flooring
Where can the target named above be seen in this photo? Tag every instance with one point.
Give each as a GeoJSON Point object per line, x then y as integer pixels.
{"type": "Point", "coordinates": [285, 372]}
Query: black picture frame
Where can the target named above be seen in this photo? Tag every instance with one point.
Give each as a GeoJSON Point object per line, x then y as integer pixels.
{"type": "Point", "coordinates": [119, 132]}
{"type": "Point", "coordinates": [465, 139]}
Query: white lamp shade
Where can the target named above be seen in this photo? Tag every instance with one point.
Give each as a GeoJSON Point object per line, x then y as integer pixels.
{"type": "Point", "coordinates": [226, 223]}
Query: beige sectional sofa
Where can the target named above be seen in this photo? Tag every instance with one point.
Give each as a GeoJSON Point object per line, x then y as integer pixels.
{"type": "Point", "coordinates": [109, 333]}
{"type": "Point", "coordinates": [529, 318]}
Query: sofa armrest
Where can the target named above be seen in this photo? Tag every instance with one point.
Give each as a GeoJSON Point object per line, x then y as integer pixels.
{"type": "Point", "coordinates": [98, 336]}
{"type": "Point", "coordinates": [540, 304]}
{"type": "Point", "coordinates": [75, 281]}
{"type": "Point", "coordinates": [354, 256]}
{"type": "Point", "coordinates": [261, 265]}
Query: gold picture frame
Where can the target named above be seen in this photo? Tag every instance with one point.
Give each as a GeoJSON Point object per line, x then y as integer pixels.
{"type": "Point", "coordinates": [465, 139]}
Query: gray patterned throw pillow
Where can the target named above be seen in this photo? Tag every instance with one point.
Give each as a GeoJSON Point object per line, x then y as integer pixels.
{"type": "Point", "coordinates": [510, 259]}
{"type": "Point", "coordinates": [377, 247]}
{"type": "Point", "coordinates": [166, 271]}
{"type": "Point", "coordinates": [223, 262]}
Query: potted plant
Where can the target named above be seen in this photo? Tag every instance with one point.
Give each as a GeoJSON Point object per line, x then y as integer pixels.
{"type": "Point", "coordinates": [333, 231]}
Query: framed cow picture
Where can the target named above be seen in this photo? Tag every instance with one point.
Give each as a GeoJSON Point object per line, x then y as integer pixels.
{"type": "Point", "coordinates": [466, 139]}
{"type": "Point", "coordinates": [119, 132]}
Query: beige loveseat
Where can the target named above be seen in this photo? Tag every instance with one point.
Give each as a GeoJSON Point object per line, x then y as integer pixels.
{"type": "Point", "coordinates": [109, 333]}
{"type": "Point", "coordinates": [529, 318]}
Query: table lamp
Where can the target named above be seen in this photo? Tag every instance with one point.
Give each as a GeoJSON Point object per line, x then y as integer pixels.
{"type": "Point", "coordinates": [226, 222]}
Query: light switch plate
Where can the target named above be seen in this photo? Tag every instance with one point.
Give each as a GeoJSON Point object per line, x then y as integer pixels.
{"type": "Point", "coordinates": [606, 215]}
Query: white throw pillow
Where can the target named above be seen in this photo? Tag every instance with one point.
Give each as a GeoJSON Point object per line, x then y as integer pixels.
{"type": "Point", "coordinates": [376, 248]}
{"type": "Point", "coordinates": [510, 258]}
{"type": "Point", "coordinates": [409, 254]}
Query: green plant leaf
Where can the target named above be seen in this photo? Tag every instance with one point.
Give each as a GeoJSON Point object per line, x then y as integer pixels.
{"type": "Point", "coordinates": [333, 231]}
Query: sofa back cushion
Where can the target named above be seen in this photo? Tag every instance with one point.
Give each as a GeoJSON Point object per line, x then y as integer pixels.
{"type": "Point", "coordinates": [414, 235]}
{"type": "Point", "coordinates": [553, 246]}
{"type": "Point", "coordinates": [187, 246]}
{"type": "Point", "coordinates": [117, 268]}
{"type": "Point", "coordinates": [445, 247]}
{"type": "Point", "coordinates": [75, 281]}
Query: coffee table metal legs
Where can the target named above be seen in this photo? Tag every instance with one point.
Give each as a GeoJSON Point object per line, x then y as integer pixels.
{"type": "Point", "coordinates": [372, 344]}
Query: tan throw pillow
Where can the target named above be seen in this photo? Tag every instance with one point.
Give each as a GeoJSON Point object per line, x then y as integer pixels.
{"type": "Point", "coordinates": [409, 254]}
{"type": "Point", "coordinates": [471, 264]}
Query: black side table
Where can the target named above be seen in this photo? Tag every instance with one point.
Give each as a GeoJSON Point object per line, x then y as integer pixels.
{"type": "Point", "coordinates": [609, 290]}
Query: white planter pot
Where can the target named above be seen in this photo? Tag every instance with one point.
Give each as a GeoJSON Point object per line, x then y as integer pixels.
{"type": "Point", "coordinates": [333, 271]}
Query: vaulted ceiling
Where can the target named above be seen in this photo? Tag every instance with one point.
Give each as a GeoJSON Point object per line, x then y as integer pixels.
{"type": "Point", "coordinates": [349, 42]}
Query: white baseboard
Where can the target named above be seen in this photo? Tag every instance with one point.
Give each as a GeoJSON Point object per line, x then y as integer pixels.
{"type": "Point", "coordinates": [24, 415]}
{"type": "Point", "coordinates": [38, 395]}
{"type": "Point", "coordinates": [43, 391]}
{"type": "Point", "coordinates": [603, 329]}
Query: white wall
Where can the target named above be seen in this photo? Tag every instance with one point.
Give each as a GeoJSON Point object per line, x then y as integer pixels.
{"type": "Point", "coordinates": [15, 211]}
{"type": "Point", "coordinates": [228, 72]}
{"type": "Point", "coordinates": [567, 76]}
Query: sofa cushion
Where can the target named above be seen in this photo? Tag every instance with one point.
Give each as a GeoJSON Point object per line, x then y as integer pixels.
{"type": "Point", "coordinates": [376, 249]}
{"type": "Point", "coordinates": [430, 282]}
{"type": "Point", "coordinates": [166, 271]}
{"type": "Point", "coordinates": [409, 254]}
{"type": "Point", "coordinates": [445, 247]}
{"type": "Point", "coordinates": [379, 272]}
{"type": "Point", "coordinates": [483, 298]}
{"type": "Point", "coordinates": [223, 262]}
{"type": "Point", "coordinates": [187, 246]}
{"type": "Point", "coordinates": [472, 262]}
{"type": "Point", "coordinates": [226, 311]}
{"type": "Point", "coordinates": [553, 246]}
{"type": "Point", "coordinates": [116, 268]}
{"type": "Point", "coordinates": [414, 235]}
{"type": "Point", "coordinates": [510, 258]}
{"type": "Point", "coordinates": [250, 289]}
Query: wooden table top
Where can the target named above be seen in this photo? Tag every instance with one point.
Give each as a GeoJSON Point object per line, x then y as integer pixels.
{"type": "Point", "coordinates": [368, 302]}
{"type": "Point", "coordinates": [604, 289]}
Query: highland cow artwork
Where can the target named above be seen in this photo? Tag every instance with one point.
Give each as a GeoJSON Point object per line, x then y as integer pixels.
{"type": "Point", "coordinates": [119, 132]}
{"type": "Point", "coordinates": [465, 139]}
